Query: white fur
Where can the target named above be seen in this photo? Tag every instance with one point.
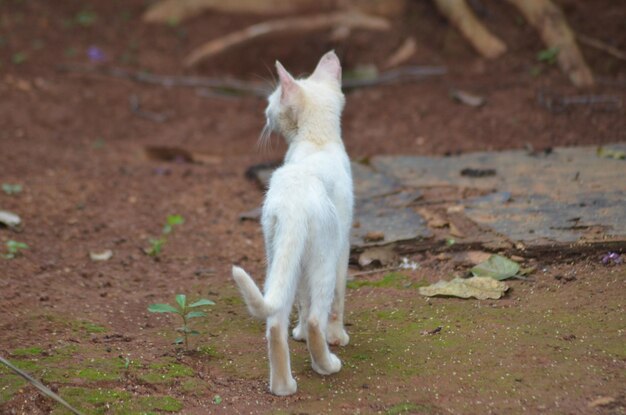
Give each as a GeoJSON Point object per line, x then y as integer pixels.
{"type": "Point", "coordinates": [306, 221]}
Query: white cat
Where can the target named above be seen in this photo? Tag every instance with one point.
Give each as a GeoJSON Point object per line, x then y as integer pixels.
{"type": "Point", "coordinates": [307, 215]}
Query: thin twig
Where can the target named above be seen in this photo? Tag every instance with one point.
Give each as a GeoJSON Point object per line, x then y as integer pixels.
{"type": "Point", "coordinates": [396, 75]}
{"type": "Point", "coordinates": [600, 45]}
{"type": "Point", "coordinates": [403, 74]}
{"type": "Point", "coordinates": [42, 388]}
{"type": "Point", "coordinates": [135, 107]}
{"type": "Point", "coordinates": [171, 80]}
{"type": "Point", "coordinates": [374, 271]}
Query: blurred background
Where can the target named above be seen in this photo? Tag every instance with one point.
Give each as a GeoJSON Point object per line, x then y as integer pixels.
{"type": "Point", "coordinates": [504, 88]}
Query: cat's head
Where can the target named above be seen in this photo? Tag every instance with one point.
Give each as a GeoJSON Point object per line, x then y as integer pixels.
{"type": "Point", "coordinates": [300, 102]}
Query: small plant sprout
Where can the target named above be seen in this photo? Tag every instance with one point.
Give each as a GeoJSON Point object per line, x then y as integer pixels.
{"type": "Point", "coordinates": [14, 249]}
{"type": "Point", "coordinates": [156, 244]}
{"type": "Point", "coordinates": [11, 189]}
{"type": "Point", "coordinates": [186, 313]}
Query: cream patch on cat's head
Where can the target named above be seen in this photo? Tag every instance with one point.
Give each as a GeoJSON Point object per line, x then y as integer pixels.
{"type": "Point", "coordinates": [314, 100]}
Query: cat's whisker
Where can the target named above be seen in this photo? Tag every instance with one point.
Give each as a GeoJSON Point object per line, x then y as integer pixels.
{"type": "Point", "coordinates": [265, 141]}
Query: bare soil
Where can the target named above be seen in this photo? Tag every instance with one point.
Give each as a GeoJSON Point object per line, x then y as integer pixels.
{"type": "Point", "coordinates": [552, 345]}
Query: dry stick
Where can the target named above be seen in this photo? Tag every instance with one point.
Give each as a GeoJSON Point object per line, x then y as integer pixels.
{"type": "Point", "coordinates": [166, 11]}
{"type": "Point", "coordinates": [42, 388]}
{"type": "Point", "coordinates": [461, 16]}
{"type": "Point", "coordinates": [397, 75]}
{"type": "Point", "coordinates": [549, 20]}
{"type": "Point", "coordinates": [374, 271]}
{"type": "Point", "coordinates": [171, 81]}
{"type": "Point", "coordinates": [300, 24]}
{"type": "Point", "coordinates": [598, 44]}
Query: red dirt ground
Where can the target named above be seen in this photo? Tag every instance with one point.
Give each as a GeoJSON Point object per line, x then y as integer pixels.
{"type": "Point", "coordinates": [74, 144]}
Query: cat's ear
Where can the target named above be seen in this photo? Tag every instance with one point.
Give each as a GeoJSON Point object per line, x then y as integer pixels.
{"type": "Point", "coordinates": [328, 67]}
{"type": "Point", "coordinates": [288, 85]}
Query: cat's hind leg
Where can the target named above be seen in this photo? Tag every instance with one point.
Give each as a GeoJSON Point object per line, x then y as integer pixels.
{"type": "Point", "coordinates": [299, 333]}
{"type": "Point", "coordinates": [322, 360]}
{"type": "Point", "coordinates": [282, 382]}
{"type": "Point", "coordinates": [336, 333]}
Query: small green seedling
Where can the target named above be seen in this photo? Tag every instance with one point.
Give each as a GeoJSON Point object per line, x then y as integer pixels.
{"type": "Point", "coordinates": [85, 18]}
{"type": "Point", "coordinates": [11, 189]}
{"type": "Point", "coordinates": [156, 244]}
{"type": "Point", "coordinates": [14, 249]}
{"type": "Point", "coordinates": [548, 55]}
{"type": "Point", "coordinates": [185, 313]}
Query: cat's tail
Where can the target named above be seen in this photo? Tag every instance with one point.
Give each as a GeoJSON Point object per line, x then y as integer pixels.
{"type": "Point", "coordinates": [287, 243]}
{"type": "Point", "coordinates": [253, 297]}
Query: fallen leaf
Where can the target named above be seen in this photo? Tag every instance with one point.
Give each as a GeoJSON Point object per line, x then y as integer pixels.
{"type": "Point", "coordinates": [481, 288]}
{"type": "Point", "coordinates": [455, 231]}
{"type": "Point", "coordinates": [611, 154]}
{"type": "Point", "coordinates": [471, 257]}
{"type": "Point", "coordinates": [467, 98]}
{"type": "Point", "coordinates": [433, 218]}
{"type": "Point", "coordinates": [253, 214]}
{"type": "Point", "coordinates": [601, 401]}
{"type": "Point", "coordinates": [380, 256]}
{"type": "Point", "coordinates": [496, 267]}
{"type": "Point", "coordinates": [431, 332]}
{"type": "Point", "coordinates": [101, 256]}
{"type": "Point", "coordinates": [9, 219]}
{"type": "Point", "coordinates": [374, 236]}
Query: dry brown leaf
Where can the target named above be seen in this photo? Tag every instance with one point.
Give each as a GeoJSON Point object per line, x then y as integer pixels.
{"type": "Point", "coordinates": [601, 401]}
{"type": "Point", "coordinates": [481, 288]}
{"type": "Point", "coordinates": [374, 236]}
{"type": "Point", "coordinates": [384, 255]}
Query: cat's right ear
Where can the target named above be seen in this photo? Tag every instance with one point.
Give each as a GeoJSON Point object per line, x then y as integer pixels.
{"type": "Point", "coordinates": [288, 85]}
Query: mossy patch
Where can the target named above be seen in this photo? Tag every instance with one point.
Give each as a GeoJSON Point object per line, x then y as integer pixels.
{"type": "Point", "coordinates": [166, 371]}
{"type": "Point", "coordinates": [88, 327]}
{"type": "Point", "coordinates": [27, 351]}
{"type": "Point", "coordinates": [410, 408]}
{"type": "Point", "coordinates": [9, 386]}
{"type": "Point", "coordinates": [393, 279]}
{"type": "Point", "coordinates": [107, 401]}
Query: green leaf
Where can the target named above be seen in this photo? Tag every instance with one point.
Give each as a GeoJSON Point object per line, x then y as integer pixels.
{"type": "Point", "coordinates": [217, 399]}
{"type": "Point", "coordinates": [496, 267]}
{"type": "Point", "coordinates": [19, 57]}
{"type": "Point", "coordinates": [85, 18]}
{"type": "Point", "coordinates": [195, 314]}
{"type": "Point", "coordinates": [611, 154]}
{"type": "Point", "coordinates": [175, 220]}
{"type": "Point", "coordinates": [11, 189]}
{"type": "Point", "coordinates": [179, 340]}
{"type": "Point", "coordinates": [172, 220]}
{"type": "Point", "coordinates": [194, 332]}
{"type": "Point", "coordinates": [201, 302]}
{"type": "Point", "coordinates": [155, 247]}
{"type": "Point", "coordinates": [162, 308]}
{"type": "Point", "coordinates": [181, 299]}
{"type": "Point", "coordinates": [548, 55]}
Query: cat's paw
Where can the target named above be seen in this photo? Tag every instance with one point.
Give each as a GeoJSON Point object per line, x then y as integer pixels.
{"type": "Point", "coordinates": [299, 333]}
{"type": "Point", "coordinates": [288, 387]}
{"type": "Point", "coordinates": [336, 336]}
{"type": "Point", "coordinates": [332, 366]}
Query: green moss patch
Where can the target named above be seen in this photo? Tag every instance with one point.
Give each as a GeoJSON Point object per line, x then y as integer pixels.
{"type": "Point", "coordinates": [27, 351]}
{"type": "Point", "coordinates": [166, 371]}
{"type": "Point", "coordinates": [112, 401]}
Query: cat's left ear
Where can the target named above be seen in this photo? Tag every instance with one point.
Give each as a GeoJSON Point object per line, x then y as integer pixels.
{"type": "Point", "coordinates": [288, 85]}
{"type": "Point", "coordinates": [328, 67]}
